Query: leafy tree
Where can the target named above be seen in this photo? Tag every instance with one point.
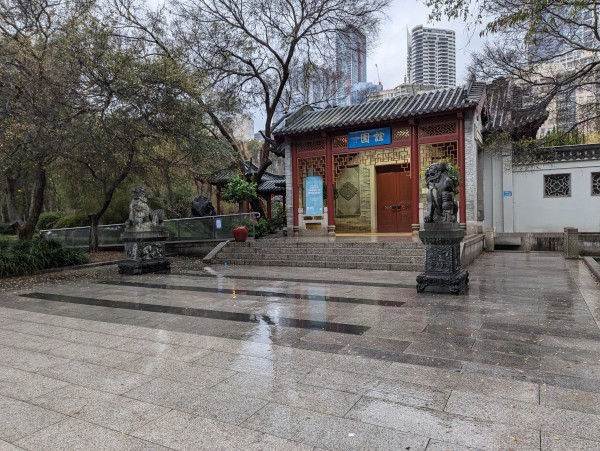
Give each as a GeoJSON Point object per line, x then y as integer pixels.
{"type": "Point", "coordinates": [550, 48]}
{"type": "Point", "coordinates": [239, 190]}
{"type": "Point", "coordinates": [246, 50]}
{"type": "Point", "coordinates": [38, 101]}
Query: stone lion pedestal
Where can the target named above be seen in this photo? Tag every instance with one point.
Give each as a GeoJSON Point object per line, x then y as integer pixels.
{"type": "Point", "coordinates": [144, 238]}
{"type": "Point", "coordinates": [441, 236]}
{"type": "Point", "coordinates": [144, 252]}
{"type": "Point", "coordinates": [443, 272]}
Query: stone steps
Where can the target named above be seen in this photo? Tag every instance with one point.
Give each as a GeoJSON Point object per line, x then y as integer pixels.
{"type": "Point", "coordinates": [391, 256]}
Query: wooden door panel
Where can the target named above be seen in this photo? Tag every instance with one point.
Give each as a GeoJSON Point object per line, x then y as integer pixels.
{"type": "Point", "coordinates": [386, 197]}
{"type": "Point", "coordinates": [394, 207]}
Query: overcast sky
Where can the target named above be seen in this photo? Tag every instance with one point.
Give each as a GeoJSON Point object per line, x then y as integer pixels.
{"type": "Point", "coordinates": [389, 53]}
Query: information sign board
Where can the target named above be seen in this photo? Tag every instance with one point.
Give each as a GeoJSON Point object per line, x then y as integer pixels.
{"type": "Point", "coordinates": [313, 195]}
{"type": "Point", "coordinates": [369, 138]}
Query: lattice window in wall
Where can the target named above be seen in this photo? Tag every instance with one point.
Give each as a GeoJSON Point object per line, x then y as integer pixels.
{"type": "Point", "coordinates": [340, 142]}
{"type": "Point", "coordinates": [400, 133]}
{"type": "Point", "coordinates": [447, 128]}
{"type": "Point", "coordinates": [311, 145]}
{"type": "Point", "coordinates": [596, 184]}
{"type": "Point", "coordinates": [431, 153]}
{"type": "Point", "coordinates": [397, 155]}
{"type": "Point", "coordinates": [308, 167]}
{"type": "Point", "coordinates": [557, 185]}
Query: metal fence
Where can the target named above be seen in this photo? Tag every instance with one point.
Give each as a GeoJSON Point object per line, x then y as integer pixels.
{"type": "Point", "coordinates": [184, 229]}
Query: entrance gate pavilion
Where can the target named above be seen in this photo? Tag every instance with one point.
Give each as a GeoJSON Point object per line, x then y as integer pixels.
{"type": "Point", "coordinates": [372, 157]}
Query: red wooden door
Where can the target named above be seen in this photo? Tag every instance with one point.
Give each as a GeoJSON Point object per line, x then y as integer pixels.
{"type": "Point", "coordinates": [394, 206]}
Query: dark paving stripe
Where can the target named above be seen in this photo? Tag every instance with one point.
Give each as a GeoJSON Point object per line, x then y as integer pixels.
{"type": "Point", "coordinates": [202, 313]}
{"type": "Point", "coordinates": [311, 281]}
{"type": "Point", "coordinates": [306, 297]}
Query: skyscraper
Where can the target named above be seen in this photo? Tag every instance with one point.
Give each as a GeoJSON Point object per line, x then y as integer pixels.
{"type": "Point", "coordinates": [432, 57]}
{"type": "Point", "coordinates": [351, 64]}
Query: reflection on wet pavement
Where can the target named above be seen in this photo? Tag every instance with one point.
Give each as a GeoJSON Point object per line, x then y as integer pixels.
{"type": "Point", "coordinates": [242, 292]}
{"type": "Point", "coordinates": [202, 313]}
{"type": "Point", "coordinates": [281, 358]}
{"type": "Point", "coordinates": [310, 281]}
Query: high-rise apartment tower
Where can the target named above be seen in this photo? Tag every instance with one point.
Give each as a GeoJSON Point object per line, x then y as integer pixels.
{"type": "Point", "coordinates": [351, 64]}
{"type": "Point", "coordinates": [432, 57]}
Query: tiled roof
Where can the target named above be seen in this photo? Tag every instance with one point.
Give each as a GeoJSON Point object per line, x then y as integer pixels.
{"type": "Point", "coordinates": [427, 102]}
{"type": "Point", "coordinates": [506, 112]}
{"type": "Point", "coordinates": [269, 183]}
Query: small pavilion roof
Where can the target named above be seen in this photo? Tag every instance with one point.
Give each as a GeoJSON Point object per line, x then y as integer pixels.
{"type": "Point", "coordinates": [381, 111]}
{"type": "Point", "coordinates": [269, 183]}
{"type": "Point", "coordinates": [505, 110]}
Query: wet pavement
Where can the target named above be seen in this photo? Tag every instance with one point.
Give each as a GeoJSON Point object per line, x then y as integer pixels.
{"type": "Point", "coordinates": [299, 358]}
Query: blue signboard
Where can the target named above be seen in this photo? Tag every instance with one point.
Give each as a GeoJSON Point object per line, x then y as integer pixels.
{"type": "Point", "coordinates": [507, 193]}
{"type": "Point", "coordinates": [369, 138]}
{"type": "Point", "coordinates": [313, 196]}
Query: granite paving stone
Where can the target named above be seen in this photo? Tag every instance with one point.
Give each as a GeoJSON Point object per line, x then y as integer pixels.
{"type": "Point", "coordinates": [29, 342]}
{"type": "Point", "coordinates": [102, 408]}
{"type": "Point", "coordinates": [218, 405]}
{"type": "Point", "coordinates": [28, 360]}
{"type": "Point", "coordinates": [184, 431]}
{"type": "Point", "coordinates": [458, 429]}
{"type": "Point", "coordinates": [95, 376]}
{"type": "Point", "coordinates": [24, 385]}
{"type": "Point", "coordinates": [322, 400]}
{"type": "Point", "coordinates": [19, 419]}
{"type": "Point", "coordinates": [550, 419]}
{"type": "Point", "coordinates": [330, 432]}
{"type": "Point", "coordinates": [556, 442]}
{"type": "Point", "coordinates": [202, 376]}
{"type": "Point", "coordinates": [564, 398]}
{"type": "Point", "coordinates": [74, 434]}
{"type": "Point", "coordinates": [93, 354]}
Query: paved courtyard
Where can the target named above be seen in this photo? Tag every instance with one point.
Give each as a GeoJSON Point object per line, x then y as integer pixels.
{"type": "Point", "coordinates": [299, 358]}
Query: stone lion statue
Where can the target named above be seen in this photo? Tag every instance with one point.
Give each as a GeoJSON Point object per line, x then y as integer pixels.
{"type": "Point", "coordinates": [140, 215]}
{"type": "Point", "coordinates": [441, 206]}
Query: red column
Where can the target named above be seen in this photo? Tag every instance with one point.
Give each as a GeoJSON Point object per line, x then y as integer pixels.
{"type": "Point", "coordinates": [462, 169]}
{"type": "Point", "coordinates": [329, 181]}
{"type": "Point", "coordinates": [414, 173]}
{"type": "Point", "coordinates": [218, 200]}
{"type": "Point", "coordinates": [269, 197]}
{"type": "Point", "coordinates": [295, 190]}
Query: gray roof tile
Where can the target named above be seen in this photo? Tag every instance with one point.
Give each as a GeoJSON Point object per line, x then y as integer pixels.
{"type": "Point", "coordinates": [427, 102]}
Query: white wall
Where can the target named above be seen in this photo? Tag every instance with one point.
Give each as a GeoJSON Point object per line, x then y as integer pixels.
{"type": "Point", "coordinates": [533, 212]}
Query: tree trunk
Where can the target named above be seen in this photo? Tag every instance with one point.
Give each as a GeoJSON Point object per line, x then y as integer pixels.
{"type": "Point", "coordinates": [25, 229]}
{"type": "Point", "coordinates": [93, 242]}
{"type": "Point", "coordinates": [11, 201]}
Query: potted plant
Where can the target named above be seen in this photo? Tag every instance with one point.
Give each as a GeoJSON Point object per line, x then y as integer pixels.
{"type": "Point", "coordinates": [239, 190]}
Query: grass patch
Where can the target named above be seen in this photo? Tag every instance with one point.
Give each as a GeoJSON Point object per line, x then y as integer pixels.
{"type": "Point", "coordinates": [28, 257]}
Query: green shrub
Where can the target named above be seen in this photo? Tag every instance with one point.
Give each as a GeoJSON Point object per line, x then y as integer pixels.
{"type": "Point", "coordinates": [278, 219]}
{"type": "Point", "coordinates": [48, 219]}
{"type": "Point", "coordinates": [6, 229]}
{"type": "Point", "coordinates": [261, 228]}
{"type": "Point", "coordinates": [77, 220]}
{"type": "Point", "coordinates": [27, 257]}
{"type": "Point", "coordinates": [238, 190]}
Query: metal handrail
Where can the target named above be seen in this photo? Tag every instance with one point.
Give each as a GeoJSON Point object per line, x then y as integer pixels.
{"type": "Point", "coordinates": [210, 225]}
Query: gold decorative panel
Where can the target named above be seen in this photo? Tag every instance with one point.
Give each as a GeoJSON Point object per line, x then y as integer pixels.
{"type": "Point", "coordinates": [340, 142]}
{"type": "Point", "coordinates": [311, 166]}
{"type": "Point", "coordinates": [397, 155]}
{"type": "Point", "coordinates": [401, 133]}
{"type": "Point", "coordinates": [311, 145]}
{"type": "Point", "coordinates": [430, 153]}
{"type": "Point", "coordinates": [447, 128]}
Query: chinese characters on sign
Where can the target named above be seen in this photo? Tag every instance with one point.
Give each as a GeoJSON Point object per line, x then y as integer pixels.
{"type": "Point", "coordinates": [368, 138]}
